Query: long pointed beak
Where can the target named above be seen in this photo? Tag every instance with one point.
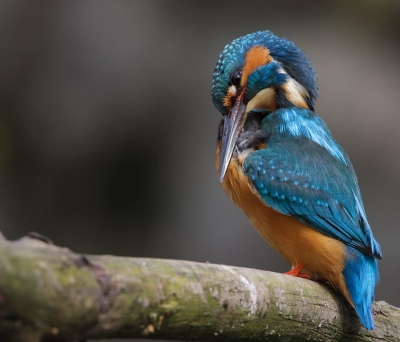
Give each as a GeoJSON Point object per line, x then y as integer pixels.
{"type": "Point", "coordinates": [233, 124]}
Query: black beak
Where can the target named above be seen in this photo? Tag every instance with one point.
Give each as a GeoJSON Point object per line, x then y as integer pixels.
{"type": "Point", "coordinates": [233, 124]}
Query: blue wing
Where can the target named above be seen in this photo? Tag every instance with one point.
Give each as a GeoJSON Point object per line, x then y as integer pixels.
{"type": "Point", "coordinates": [298, 177]}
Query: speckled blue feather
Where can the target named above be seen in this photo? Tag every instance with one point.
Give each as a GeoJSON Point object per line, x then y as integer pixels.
{"type": "Point", "coordinates": [304, 173]}
{"type": "Point", "coordinates": [285, 52]}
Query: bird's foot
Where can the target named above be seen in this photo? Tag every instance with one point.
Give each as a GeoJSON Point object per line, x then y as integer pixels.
{"type": "Point", "coordinates": [296, 272]}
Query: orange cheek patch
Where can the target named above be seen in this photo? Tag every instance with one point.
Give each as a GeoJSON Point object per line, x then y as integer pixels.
{"type": "Point", "coordinates": [229, 97]}
{"type": "Point", "coordinates": [255, 57]}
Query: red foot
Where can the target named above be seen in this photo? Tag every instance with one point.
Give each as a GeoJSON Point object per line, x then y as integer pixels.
{"type": "Point", "coordinates": [296, 272]}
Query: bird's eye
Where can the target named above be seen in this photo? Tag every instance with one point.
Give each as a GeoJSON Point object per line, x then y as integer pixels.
{"type": "Point", "coordinates": [235, 77]}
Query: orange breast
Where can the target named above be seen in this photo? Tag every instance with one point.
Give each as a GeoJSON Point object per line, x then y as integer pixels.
{"type": "Point", "coordinates": [298, 243]}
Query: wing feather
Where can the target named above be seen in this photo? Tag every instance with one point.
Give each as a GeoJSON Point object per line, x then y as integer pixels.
{"type": "Point", "coordinates": [300, 178]}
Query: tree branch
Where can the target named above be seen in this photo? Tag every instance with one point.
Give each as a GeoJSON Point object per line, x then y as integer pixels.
{"type": "Point", "coordinates": [48, 293]}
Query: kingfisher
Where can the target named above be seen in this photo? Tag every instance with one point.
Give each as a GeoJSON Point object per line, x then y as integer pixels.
{"type": "Point", "coordinates": [279, 163]}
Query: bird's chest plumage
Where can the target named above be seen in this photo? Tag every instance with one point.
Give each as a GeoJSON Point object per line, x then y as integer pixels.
{"type": "Point", "coordinates": [295, 241]}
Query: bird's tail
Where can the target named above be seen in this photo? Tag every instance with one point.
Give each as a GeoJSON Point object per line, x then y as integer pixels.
{"type": "Point", "coordinates": [361, 275]}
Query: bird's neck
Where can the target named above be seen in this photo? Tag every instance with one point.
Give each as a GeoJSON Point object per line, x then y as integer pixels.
{"type": "Point", "coordinates": [289, 93]}
{"type": "Point", "coordinates": [299, 122]}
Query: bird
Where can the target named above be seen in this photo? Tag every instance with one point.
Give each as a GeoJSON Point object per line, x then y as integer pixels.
{"type": "Point", "coordinates": [279, 163]}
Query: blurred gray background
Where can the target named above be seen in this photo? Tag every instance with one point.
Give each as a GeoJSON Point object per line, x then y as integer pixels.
{"type": "Point", "coordinates": [108, 132]}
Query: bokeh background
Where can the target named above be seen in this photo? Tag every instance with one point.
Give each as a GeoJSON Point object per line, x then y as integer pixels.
{"type": "Point", "coordinates": [108, 132]}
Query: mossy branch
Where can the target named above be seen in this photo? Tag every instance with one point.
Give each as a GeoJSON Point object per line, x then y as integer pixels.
{"type": "Point", "coordinates": [48, 293]}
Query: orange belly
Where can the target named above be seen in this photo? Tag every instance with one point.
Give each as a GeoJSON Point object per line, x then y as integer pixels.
{"type": "Point", "coordinates": [298, 243]}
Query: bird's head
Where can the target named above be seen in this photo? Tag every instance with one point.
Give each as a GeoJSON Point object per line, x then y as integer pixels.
{"type": "Point", "coordinates": [259, 71]}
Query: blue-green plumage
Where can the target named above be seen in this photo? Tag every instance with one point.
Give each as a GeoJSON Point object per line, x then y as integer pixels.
{"type": "Point", "coordinates": [290, 158]}
{"type": "Point", "coordinates": [361, 275]}
{"type": "Point", "coordinates": [304, 173]}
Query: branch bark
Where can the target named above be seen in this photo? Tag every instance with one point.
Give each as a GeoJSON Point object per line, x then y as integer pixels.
{"type": "Point", "coordinates": [48, 293]}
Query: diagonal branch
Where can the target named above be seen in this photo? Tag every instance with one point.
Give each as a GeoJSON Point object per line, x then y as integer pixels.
{"type": "Point", "coordinates": [48, 293]}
